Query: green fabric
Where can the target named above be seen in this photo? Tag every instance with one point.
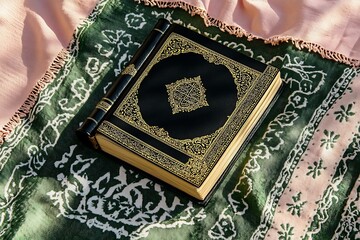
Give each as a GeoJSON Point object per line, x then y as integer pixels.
{"type": "Point", "coordinates": [52, 186]}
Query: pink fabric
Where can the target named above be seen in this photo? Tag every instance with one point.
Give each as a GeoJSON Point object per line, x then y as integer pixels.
{"type": "Point", "coordinates": [330, 160]}
{"type": "Point", "coordinates": [329, 27]}
{"type": "Point", "coordinates": [33, 32]}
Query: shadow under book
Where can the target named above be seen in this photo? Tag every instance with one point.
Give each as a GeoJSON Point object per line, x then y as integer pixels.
{"type": "Point", "coordinates": [183, 107]}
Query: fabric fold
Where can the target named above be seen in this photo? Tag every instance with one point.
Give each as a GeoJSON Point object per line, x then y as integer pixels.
{"type": "Point", "coordinates": [329, 28]}
{"type": "Point", "coordinates": [35, 35]}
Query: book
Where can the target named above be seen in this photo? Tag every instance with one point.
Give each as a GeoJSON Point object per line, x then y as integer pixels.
{"type": "Point", "coordinates": [183, 108]}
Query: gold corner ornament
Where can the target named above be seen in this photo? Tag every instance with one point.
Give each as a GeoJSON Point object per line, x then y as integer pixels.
{"type": "Point", "coordinates": [186, 95]}
{"type": "Point", "coordinates": [129, 70]}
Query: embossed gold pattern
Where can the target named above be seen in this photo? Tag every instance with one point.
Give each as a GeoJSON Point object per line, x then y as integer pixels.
{"type": "Point", "coordinates": [130, 113]}
{"type": "Point", "coordinates": [129, 70]}
{"type": "Point", "coordinates": [202, 151]}
{"type": "Point", "coordinates": [191, 171]}
{"type": "Point", "coordinates": [186, 95]}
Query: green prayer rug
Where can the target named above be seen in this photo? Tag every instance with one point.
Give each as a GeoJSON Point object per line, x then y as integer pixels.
{"type": "Point", "coordinates": [298, 178]}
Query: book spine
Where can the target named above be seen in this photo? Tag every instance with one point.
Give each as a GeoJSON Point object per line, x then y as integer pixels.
{"type": "Point", "coordinates": [88, 128]}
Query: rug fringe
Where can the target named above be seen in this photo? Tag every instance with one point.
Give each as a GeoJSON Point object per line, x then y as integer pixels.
{"type": "Point", "coordinates": [29, 103]}
{"type": "Point", "coordinates": [240, 32]}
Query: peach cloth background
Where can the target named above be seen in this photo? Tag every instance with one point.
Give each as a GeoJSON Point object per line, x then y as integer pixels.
{"type": "Point", "coordinates": [332, 24]}
{"type": "Point", "coordinates": [33, 32]}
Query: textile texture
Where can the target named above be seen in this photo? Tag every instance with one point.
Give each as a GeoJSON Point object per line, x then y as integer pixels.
{"type": "Point", "coordinates": [329, 28]}
{"type": "Point", "coordinates": [297, 178]}
{"type": "Point", "coordinates": [33, 32]}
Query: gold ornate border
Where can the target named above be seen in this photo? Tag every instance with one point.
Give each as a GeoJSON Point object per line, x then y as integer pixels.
{"type": "Point", "coordinates": [192, 171]}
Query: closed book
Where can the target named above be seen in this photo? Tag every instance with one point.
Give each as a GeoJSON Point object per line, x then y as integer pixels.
{"type": "Point", "coordinates": [183, 108]}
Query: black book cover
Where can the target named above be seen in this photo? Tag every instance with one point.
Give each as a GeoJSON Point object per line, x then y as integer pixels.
{"type": "Point", "coordinates": [183, 102]}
